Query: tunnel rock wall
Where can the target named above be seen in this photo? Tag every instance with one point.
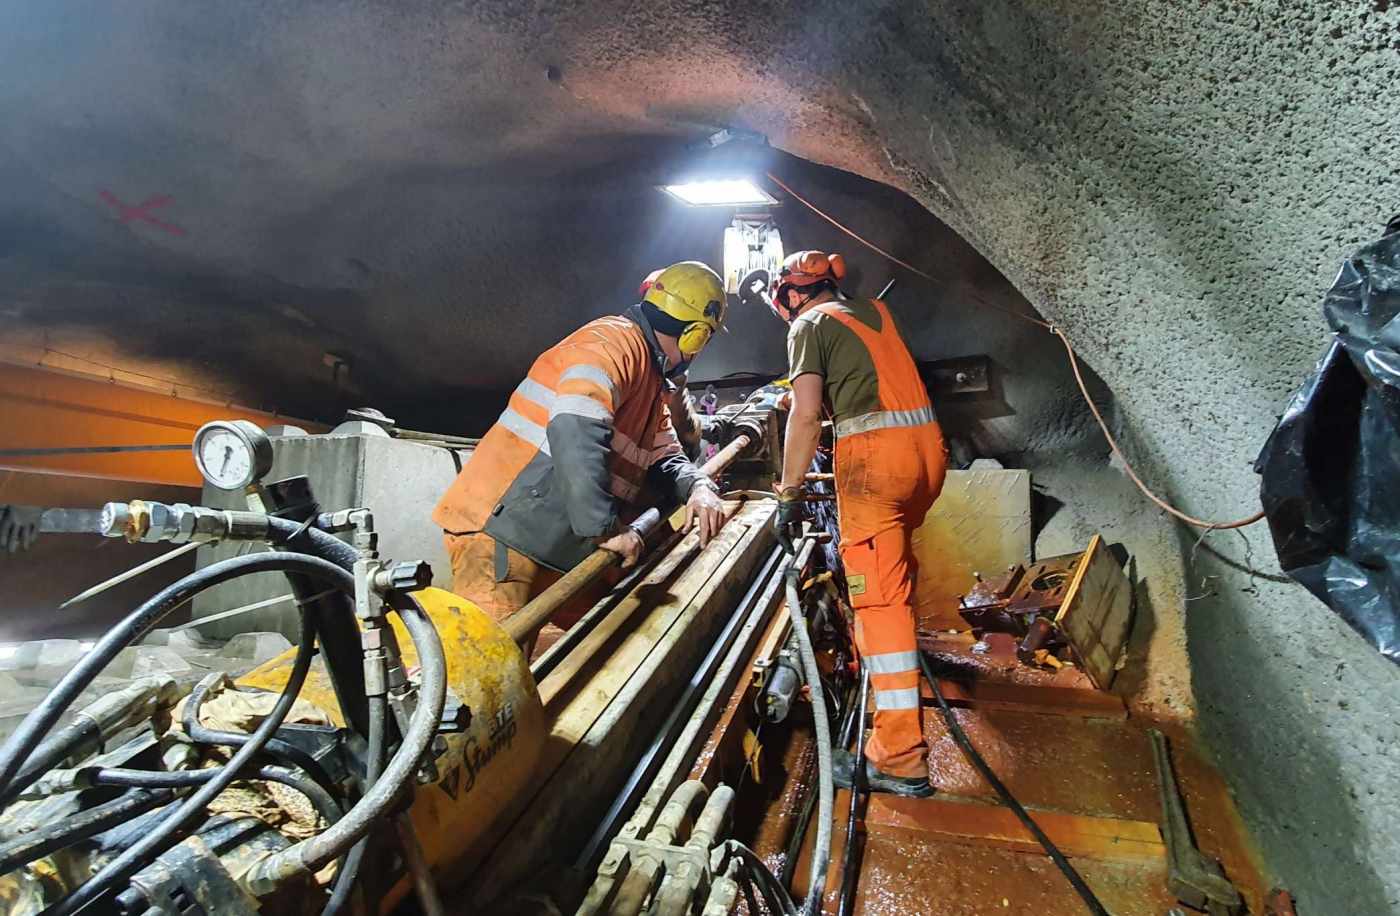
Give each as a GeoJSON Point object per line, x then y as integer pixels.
{"type": "Point", "coordinates": [1173, 184]}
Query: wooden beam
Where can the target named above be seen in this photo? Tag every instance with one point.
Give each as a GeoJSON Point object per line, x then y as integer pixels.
{"type": "Point", "coordinates": [976, 823]}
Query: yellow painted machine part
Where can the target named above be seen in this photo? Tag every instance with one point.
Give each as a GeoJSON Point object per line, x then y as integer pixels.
{"type": "Point", "coordinates": [484, 768]}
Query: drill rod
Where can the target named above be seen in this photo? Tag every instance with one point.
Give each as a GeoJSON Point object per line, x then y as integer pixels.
{"type": "Point", "coordinates": [524, 623]}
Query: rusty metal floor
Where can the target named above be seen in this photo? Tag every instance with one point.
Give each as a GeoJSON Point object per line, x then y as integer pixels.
{"type": "Point", "coordinates": [1071, 755]}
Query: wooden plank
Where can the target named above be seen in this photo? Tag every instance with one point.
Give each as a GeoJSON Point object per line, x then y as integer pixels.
{"type": "Point", "coordinates": [1095, 615]}
{"type": "Point", "coordinates": [980, 523]}
{"type": "Point", "coordinates": [1050, 701]}
{"type": "Point", "coordinates": [975, 823]}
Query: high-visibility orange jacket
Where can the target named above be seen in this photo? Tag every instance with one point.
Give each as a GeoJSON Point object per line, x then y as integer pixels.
{"type": "Point", "coordinates": [583, 433]}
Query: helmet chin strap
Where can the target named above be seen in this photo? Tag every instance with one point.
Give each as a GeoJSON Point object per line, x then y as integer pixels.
{"type": "Point", "coordinates": [679, 368]}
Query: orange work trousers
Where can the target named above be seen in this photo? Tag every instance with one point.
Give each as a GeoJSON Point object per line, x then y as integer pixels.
{"type": "Point", "coordinates": [886, 481]}
{"type": "Point", "coordinates": [500, 592]}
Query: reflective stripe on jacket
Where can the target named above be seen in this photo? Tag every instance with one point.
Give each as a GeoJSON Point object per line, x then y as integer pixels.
{"type": "Point", "coordinates": [903, 395]}
{"type": "Point", "coordinates": [595, 406]}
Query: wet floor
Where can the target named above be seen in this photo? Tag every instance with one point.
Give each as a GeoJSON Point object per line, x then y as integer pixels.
{"type": "Point", "coordinates": [1072, 764]}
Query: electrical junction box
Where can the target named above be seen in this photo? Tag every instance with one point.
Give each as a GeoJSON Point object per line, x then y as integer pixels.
{"type": "Point", "coordinates": [399, 480]}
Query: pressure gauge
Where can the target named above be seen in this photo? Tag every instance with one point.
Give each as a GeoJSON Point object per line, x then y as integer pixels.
{"type": "Point", "coordinates": [232, 454]}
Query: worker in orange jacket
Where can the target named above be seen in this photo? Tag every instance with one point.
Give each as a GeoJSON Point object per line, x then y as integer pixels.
{"type": "Point", "coordinates": [562, 471]}
{"type": "Point", "coordinates": [847, 359]}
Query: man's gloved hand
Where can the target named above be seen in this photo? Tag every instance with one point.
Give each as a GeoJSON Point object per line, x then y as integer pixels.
{"type": "Point", "coordinates": [789, 519]}
{"type": "Point", "coordinates": [19, 527]}
{"type": "Point", "coordinates": [705, 510]}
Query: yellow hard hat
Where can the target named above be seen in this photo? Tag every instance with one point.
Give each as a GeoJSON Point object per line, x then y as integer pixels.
{"type": "Point", "coordinates": [693, 294]}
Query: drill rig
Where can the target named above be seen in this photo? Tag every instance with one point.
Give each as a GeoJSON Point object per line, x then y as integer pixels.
{"type": "Point", "coordinates": [425, 759]}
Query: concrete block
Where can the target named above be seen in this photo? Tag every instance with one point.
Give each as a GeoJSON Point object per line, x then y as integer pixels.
{"type": "Point", "coordinates": [151, 660]}
{"type": "Point", "coordinates": [42, 653]}
{"type": "Point", "coordinates": [255, 647]}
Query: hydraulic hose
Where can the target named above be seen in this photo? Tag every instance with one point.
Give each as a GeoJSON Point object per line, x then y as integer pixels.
{"type": "Point", "coordinates": [339, 632]}
{"type": "Point", "coordinates": [960, 736]}
{"type": "Point", "coordinates": [314, 853]}
{"type": "Point", "coordinates": [773, 892]}
{"type": "Point", "coordinates": [84, 825]}
{"type": "Point", "coordinates": [350, 870]}
{"type": "Point", "coordinates": [133, 859]}
{"type": "Point", "coordinates": [848, 877]}
{"type": "Point", "coordinates": [324, 803]}
{"type": "Point", "coordinates": [821, 850]}
{"type": "Point", "coordinates": [22, 743]}
{"type": "Point", "coordinates": [283, 532]}
{"type": "Point", "coordinates": [275, 747]}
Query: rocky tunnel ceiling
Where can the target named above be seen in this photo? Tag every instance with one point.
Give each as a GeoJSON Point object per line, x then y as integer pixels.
{"type": "Point", "coordinates": [228, 192]}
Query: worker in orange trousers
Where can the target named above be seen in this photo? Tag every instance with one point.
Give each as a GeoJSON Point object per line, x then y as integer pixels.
{"type": "Point", "coordinates": [848, 361]}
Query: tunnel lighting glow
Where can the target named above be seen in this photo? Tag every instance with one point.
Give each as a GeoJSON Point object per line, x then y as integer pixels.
{"type": "Point", "coordinates": [727, 192]}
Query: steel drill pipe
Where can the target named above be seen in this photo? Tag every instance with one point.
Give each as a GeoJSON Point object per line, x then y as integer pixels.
{"type": "Point", "coordinates": [524, 623]}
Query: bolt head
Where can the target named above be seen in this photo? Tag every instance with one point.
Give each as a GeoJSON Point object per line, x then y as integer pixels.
{"type": "Point", "coordinates": [410, 577]}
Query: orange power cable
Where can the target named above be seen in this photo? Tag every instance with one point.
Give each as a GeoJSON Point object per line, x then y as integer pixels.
{"type": "Point", "coordinates": [1073, 364]}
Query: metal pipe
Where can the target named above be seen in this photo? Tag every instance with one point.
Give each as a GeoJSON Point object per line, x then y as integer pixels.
{"type": "Point", "coordinates": [526, 622]}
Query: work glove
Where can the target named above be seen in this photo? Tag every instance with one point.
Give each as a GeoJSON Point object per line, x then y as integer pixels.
{"type": "Point", "coordinates": [19, 527]}
{"type": "Point", "coordinates": [788, 521]}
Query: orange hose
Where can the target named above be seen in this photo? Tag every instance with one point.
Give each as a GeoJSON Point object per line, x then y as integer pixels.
{"type": "Point", "coordinates": [1073, 364]}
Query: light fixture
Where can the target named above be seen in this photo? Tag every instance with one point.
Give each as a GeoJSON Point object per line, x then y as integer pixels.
{"type": "Point", "coordinates": [751, 243]}
{"type": "Point", "coordinates": [720, 192]}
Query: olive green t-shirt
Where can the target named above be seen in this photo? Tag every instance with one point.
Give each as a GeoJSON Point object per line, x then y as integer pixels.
{"type": "Point", "coordinates": [821, 344]}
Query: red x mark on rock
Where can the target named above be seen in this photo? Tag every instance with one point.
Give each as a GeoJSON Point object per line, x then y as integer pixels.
{"type": "Point", "coordinates": [142, 211]}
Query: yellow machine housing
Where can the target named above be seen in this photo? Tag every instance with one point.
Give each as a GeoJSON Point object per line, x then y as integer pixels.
{"type": "Point", "coordinates": [485, 766]}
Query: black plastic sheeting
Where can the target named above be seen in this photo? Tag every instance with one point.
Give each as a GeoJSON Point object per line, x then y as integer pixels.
{"type": "Point", "coordinates": [1331, 468]}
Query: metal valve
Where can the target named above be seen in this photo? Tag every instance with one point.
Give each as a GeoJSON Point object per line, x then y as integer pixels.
{"type": "Point", "coordinates": [403, 577]}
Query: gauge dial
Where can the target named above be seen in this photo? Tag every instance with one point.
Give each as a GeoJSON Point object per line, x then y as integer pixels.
{"type": "Point", "coordinates": [232, 454]}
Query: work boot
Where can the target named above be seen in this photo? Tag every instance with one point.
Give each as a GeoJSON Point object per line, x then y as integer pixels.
{"type": "Point", "coordinates": [843, 768]}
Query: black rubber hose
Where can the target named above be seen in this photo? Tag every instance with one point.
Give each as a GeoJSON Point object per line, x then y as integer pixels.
{"type": "Point", "coordinates": [56, 747]}
{"type": "Point", "coordinates": [312, 854]}
{"type": "Point", "coordinates": [324, 803]}
{"type": "Point", "coordinates": [340, 636]}
{"type": "Point", "coordinates": [848, 876]}
{"type": "Point", "coordinates": [350, 869]}
{"type": "Point", "coordinates": [81, 826]}
{"type": "Point", "coordinates": [22, 743]}
{"type": "Point", "coordinates": [821, 849]}
{"type": "Point", "coordinates": [275, 747]}
{"type": "Point", "coordinates": [774, 894]}
{"type": "Point", "coordinates": [152, 844]}
{"type": "Point", "coordinates": [283, 532]}
{"type": "Point", "coordinates": [955, 729]}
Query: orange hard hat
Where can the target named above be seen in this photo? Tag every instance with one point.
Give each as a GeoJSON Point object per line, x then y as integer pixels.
{"type": "Point", "coordinates": [802, 269]}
